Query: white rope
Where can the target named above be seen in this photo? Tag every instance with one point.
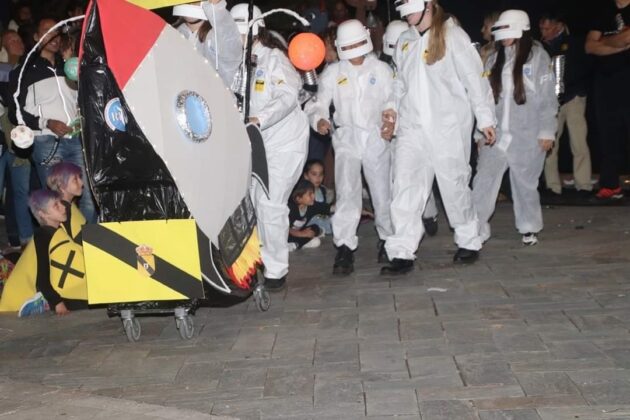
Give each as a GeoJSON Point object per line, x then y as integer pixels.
{"type": "Point", "coordinates": [287, 11]}
{"type": "Point", "coordinates": [18, 111]}
{"type": "Point", "coordinates": [216, 38]}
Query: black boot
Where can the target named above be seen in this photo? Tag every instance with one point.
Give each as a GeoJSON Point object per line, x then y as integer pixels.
{"type": "Point", "coordinates": [465, 256]}
{"type": "Point", "coordinates": [275, 285]}
{"type": "Point", "coordinates": [382, 253]}
{"type": "Point", "coordinates": [430, 225]}
{"type": "Point", "coordinates": [398, 266]}
{"type": "Point", "coordinates": [344, 261]}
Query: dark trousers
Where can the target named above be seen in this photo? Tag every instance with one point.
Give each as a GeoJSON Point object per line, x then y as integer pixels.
{"type": "Point", "coordinates": [613, 128]}
{"type": "Point", "coordinates": [300, 242]}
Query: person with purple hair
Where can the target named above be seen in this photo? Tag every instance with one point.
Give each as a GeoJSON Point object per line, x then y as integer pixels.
{"type": "Point", "coordinates": [66, 179]}
{"type": "Point", "coordinates": [59, 279]}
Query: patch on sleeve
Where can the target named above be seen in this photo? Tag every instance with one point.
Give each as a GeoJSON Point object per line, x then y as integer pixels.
{"type": "Point", "coordinates": [486, 74]}
{"type": "Point", "coordinates": [343, 80]}
{"type": "Point", "coordinates": [259, 85]}
{"type": "Point", "coordinates": [405, 46]}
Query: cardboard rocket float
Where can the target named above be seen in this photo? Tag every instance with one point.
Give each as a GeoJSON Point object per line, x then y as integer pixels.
{"type": "Point", "coordinates": [164, 140]}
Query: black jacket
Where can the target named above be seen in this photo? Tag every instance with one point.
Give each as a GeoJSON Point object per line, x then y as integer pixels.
{"type": "Point", "coordinates": [578, 65]}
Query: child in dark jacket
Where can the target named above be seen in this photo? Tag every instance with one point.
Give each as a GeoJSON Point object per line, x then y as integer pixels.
{"type": "Point", "coordinates": [314, 172]}
{"type": "Point", "coordinates": [302, 209]}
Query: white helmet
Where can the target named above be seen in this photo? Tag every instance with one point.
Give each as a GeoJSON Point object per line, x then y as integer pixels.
{"type": "Point", "coordinates": [511, 24]}
{"type": "Point", "coordinates": [192, 10]}
{"type": "Point", "coordinates": [407, 7]}
{"type": "Point", "coordinates": [392, 33]}
{"type": "Point", "coordinates": [353, 40]}
{"type": "Point", "coordinates": [240, 14]}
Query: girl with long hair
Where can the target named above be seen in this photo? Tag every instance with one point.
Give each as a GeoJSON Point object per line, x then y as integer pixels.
{"type": "Point", "coordinates": [275, 109]}
{"type": "Point", "coordinates": [440, 90]}
{"type": "Point", "coordinates": [523, 86]}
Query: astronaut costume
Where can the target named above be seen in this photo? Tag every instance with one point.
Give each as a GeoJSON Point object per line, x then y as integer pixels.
{"type": "Point", "coordinates": [228, 43]}
{"type": "Point", "coordinates": [394, 29]}
{"type": "Point", "coordinates": [436, 108]}
{"type": "Point", "coordinates": [284, 127]}
{"type": "Point", "coordinates": [520, 127]}
{"type": "Point", "coordinates": [360, 93]}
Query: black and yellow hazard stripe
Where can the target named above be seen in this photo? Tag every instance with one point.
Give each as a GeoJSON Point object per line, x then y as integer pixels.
{"type": "Point", "coordinates": [117, 273]}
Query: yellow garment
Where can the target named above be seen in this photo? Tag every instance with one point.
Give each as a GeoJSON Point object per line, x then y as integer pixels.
{"type": "Point", "coordinates": [77, 220]}
{"type": "Point", "coordinates": [67, 270]}
{"type": "Point", "coordinates": [21, 285]}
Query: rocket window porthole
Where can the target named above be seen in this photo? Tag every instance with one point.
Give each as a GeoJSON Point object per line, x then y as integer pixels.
{"type": "Point", "coordinates": [193, 116]}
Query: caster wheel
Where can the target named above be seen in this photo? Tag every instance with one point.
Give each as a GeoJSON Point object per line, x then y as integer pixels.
{"type": "Point", "coordinates": [186, 327]}
{"type": "Point", "coordinates": [262, 299]}
{"type": "Point", "coordinates": [132, 329]}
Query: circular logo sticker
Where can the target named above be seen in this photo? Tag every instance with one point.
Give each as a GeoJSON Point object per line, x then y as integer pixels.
{"type": "Point", "coordinates": [193, 116]}
{"type": "Point", "coordinates": [372, 80]}
{"type": "Point", "coordinates": [115, 116]}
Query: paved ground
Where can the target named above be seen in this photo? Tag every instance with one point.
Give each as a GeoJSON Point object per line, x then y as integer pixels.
{"type": "Point", "coordinates": [527, 333]}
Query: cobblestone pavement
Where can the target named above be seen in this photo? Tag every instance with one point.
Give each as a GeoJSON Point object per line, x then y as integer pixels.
{"type": "Point", "coordinates": [526, 333]}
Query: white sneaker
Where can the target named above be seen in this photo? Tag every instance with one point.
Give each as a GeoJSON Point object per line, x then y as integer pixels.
{"type": "Point", "coordinates": [313, 243]}
{"type": "Point", "coordinates": [292, 246]}
{"type": "Point", "coordinates": [530, 239]}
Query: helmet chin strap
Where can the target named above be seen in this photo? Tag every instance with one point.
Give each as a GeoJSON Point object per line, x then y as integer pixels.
{"type": "Point", "coordinates": [424, 11]}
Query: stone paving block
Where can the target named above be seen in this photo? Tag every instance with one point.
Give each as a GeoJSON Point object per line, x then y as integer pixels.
{"type": "Point", "coordinates": [383, 327]}
{"type": "Point", "coordinates": [292, 347]}
{"type": "Point", "coordinates": [485, 372]}
{"type": "Point", "coordinates": [383, 361]}
{"type": "Point", "coordinates": [332, 394]}
{"type": "Point", "coordinates": [388, 402]}
{"type": "Point", "coordinates": [286, 382]}
{"type": "Point", "coordinates": [517, 403]}
{"type": "Point", "coordinates": [509, 415]}
{"type": "Point", "coordinates": [432, 366]}
{"type": "Point", "coordinates": [583, 349]}
{"type": "Point", "coordinates": [432, 392]}
{"type": "Point", "coordinates": [419, 330]}
{"type": "Point", "coordinates": [447, 410]}
{"type": "Point", "coordinates": [336, 351]}
{"type": "Point", "coordinates": [603, 387]}
{"type": "Point", "coordinates": [199, 373]}
{"type": "Point", "coordinates": [508, 341]}
{"type": "Point", "coordinates": [601, 412]}
{"type": "Point", "coordinates": [547, 383]}
{"type": "Point", "coordinates": [253, 345]}
{"type": "Point", "coordinates": [236, 379]}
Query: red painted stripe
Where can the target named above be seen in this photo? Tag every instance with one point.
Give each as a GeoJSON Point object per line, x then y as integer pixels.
{"type": "Point", "coordinates": [129, 32]}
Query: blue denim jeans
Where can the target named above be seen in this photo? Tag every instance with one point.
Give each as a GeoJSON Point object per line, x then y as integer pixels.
{"type": "Point", "coordinates": [20, 176]}
{"type": "Point", "coordinates": [68, 150]}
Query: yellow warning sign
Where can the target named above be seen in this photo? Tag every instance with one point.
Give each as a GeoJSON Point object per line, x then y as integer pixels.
{"type": "Point", "coordinates": [142, 261]}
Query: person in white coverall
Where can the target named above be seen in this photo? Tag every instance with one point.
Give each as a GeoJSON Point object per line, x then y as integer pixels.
{"type": "Point", "coordinates": [211, 29]}
{"type": "Point", "coordinates": [439, 85]}
{"type": "Point", "coordinates": [284, 126]}
{"type": "Point", "coordinates": [360, 87]}
{"type": "Point", "coordinates": [526, 110]}
{"type": "Point", "coordinates": [394, 29]}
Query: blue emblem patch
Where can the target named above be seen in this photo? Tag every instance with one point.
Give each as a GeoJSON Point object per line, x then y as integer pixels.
{"type": "Point", "coordinates": [527, 69]}
{"type": "Point", "coordinates": [115, 116]}
{"type": "Point", "coordinates": [372, 80]}
{"type": "Point", "coordinates": [260, 73]}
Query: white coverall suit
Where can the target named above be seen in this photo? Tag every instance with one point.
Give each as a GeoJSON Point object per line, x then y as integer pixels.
{"type": "Point", "coordinates": [284, 127]}
{"type": "Point", "coordinates": [435, 121]}
{"type": "Point", "coordinates": [360, 94]}
{"type": "Point", "coordinates": [228, 41]}
{"type": "Point", "coordinates": [520, 128]}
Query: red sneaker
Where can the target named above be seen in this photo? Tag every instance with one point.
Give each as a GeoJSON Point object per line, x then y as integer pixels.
{"type": "Point", "coordinates": [610, 193]}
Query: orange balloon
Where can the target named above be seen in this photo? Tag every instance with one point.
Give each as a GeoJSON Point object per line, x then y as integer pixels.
{"type": "Point", "coordinates": [306, 51]}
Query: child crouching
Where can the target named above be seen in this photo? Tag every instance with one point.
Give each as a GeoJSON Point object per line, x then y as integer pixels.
{"type": "Point", "coordinates": [302, 209]}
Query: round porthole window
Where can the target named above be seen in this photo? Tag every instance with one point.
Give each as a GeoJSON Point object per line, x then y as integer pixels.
{"type": "Point", "coordinates": [193, 116]}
